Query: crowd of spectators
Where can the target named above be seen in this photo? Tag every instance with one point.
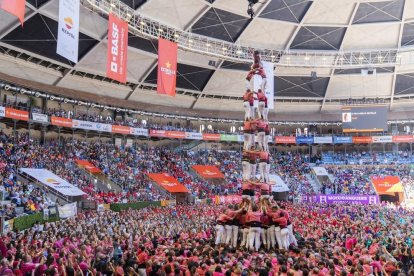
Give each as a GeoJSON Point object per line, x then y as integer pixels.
{"type": "Point", "coordinates": [354, 240]}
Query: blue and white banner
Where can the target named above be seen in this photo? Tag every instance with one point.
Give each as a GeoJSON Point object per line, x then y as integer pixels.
{"type": "Point", "coordinates": [68, 29]}
{"type": "Point", "coordinates": [342, 140]}
{"type": "Point", "coordinates": [304, 140]}
{"type": "Point", "coordinates": [323, 140]}
{"type": "Point", "coordinates": [40, 117]}
{"type": "Point", "coordinates": [193, 136]}
{"type": "Point", "coordinates": [139, 131]}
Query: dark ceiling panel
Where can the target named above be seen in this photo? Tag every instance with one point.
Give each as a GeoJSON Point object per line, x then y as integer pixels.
{"type": "Point", "coordinates": [387, 11]}
{"type": "Point", "coordinates": [188, 77]}
{"type": "Point", "coordinates": [292, 86]}
{"type": "Point", "coordinates": [235, 66]}
{"type": "Point", "coordinates": [135, 4]}
{"type": "Point", "coordinates": [286, 10]}
{"type": "Point", "coordinates": [318, 38]}
{"type": "Point", "coordinates": [408, 35]}
{"type": "Point", "coordinates": [39, 36]}
{"type": "Point", "coordinates": [142, 43]}
{"type": "Point", "coordinates": [220, 24]}
{"type": "Point", "coordinates": [37, 3]}
{"type": "Point", "coordinates": [356, 71]}
{"type": "Point", "coordinates": [404, 84]}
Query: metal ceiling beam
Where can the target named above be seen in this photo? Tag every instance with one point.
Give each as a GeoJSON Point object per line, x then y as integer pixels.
{"type": "Point", "coordinates": [394, 79]}
{"type": "Point", "coordinates": [143, 78]}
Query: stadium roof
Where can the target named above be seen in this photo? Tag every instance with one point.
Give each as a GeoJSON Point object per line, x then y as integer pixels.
{"type": "Point", "coordinates": [208, 82]}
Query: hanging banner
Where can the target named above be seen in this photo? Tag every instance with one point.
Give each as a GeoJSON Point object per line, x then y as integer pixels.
{"type": "Point", "coordinates": [193, 136]}
{"type": "Point", "coordinates": [67, 211]}
{"type": "Point", "coordinates": [208, 171]}
{"type": "Point", "coordinates": [60, 121]}
{"type": "Point", "coordinates": [167, 67]}
{"type": "Point", "coordinates": [15, 7]}
{"type": "Point", "coordinates": [168, 182]}
{"type": "Point", "coordinates": [2, 111]}
{"type": "Point", "coordinates": [121, 129]}
{"type": "Point", "coordinates": [304, 140]}
{"type": "Point", "coordinates": [139, 131]}
{"type": "Point", "coordinates": [68, 30]}
{"type": "Point", "coordinates": [285, 140]}
{"type": "Point", "coordinates": [176, 134]}
{"type": "Point", "coordinates": [158, 133]}
{"type": "Point", "coordinates": [362, 139]}
{"type": "Point", "coordinates": [17, 114]}
{"type": "Point", "coordinates": [342, 140]}
{"type": "Point", "coordinates": [229, 137]}
{"type": "Point", "coordinates": [116, 65]}
{"type": "Point", "coordinates": [382, 139]}
{"type": "Point", "coordinates": [211, 137]}
{"type": "Point", "coordinates": [403, 139]}
{"type": "Point", "coordinates": [347, 199]}
{"type": "Point", "coordinates": [40, 117]}
{"type": "Point", "coordinates": [323, 140]}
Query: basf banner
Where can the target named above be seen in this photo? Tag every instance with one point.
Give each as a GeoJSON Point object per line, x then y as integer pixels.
{"type": "Point", "coordinates": [167, 67]}
{"type": "Point", "coordinates": [68, 30]}
{"type": "Point", "coordinates": [364, 118]}
{"type": "Point", "coordinates": [53, 181]}
{"type": "Point", "coordinates": [116, 64]}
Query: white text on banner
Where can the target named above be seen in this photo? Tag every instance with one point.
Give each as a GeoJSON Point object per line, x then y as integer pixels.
{"type": "Point", "coordinates": [68, 29]}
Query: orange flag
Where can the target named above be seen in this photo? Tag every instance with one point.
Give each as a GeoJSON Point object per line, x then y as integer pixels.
{"type": "Point", "coordinates": [15, 7]}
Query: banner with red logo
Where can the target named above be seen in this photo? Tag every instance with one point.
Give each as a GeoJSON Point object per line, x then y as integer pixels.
{"type": "Point", "coordinates": [208, 171]}
{"type": "Point", "coordinates": [285, 140]}
{"type": "Point", "coordinates": [385, 185]}
{"type": "Point", "coordinates": [167, 67]}
{"type": "Point", "coordinates": [121, 129]}
{"type": "Point", "coordinates": [17, 114]}
{"type": "Point", "coordinates": [15, 7]}
{"type": "Point", "coordinates": [403, 139]}
{"type": "Point", "coordinates": [116, 65]}
{"type": "Point", "coordinates": [168, 182]}
{"type": "Point", "coordinates": [211, 137]}
{"type": "Point", "coordinates": [60, 121]}
{"type": "Point", "coordinates": [88, 166]}
{"type": "Point", "coordinates": [158, 133]}
{"type": "Point", "coordinates": [176, 134]}
{"type": "Point", "coordinates": [362, 139]}
{"type": "Point", "coordinates": [68, 30]}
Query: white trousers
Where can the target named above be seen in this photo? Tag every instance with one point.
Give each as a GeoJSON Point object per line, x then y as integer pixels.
{"type": "Point", "coordinates": [267, 172]}
{"type": "Point", "coordinates": [284, 236]}
{"type": "Point", "coordinates": [253, 168]}
{"type": "Point", "coordinates": [245, 237]}
{"type": "Point", "coordinates": [254, 238]}
{"type": "Point", "coordinates": [263, 234]}
{"type": "Point", "coordinates": [266, 143]}
{"type": "Point", "coordinates": [247, 114]}
{"type": "Point", "coordinates": [261, 139]}
{"type": "Point", "coordinates": [292, 238]}
{"type": "Point", "coordinates": [261, 109]}
{"type": "Point", "coordinates": [265, 112]}
{"type": "Point", "coordinates": [278, 237]}
{"type": "Point", "coordinates": [246, 170]}
{"type": "Point", "coordinates": [248, 141]}
{"type": "Point", "coordinates": [220, 234]}
{"type": "Point", "coordinates": [232, 232]}
{"type": "Point", "coordinates": [271, 237]}
{"type": "Point", "coordinates": [263, 172]}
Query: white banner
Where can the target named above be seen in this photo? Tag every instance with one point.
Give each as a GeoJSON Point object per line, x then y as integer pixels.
{"type": "Point", "coordinates": [83, 125]}
{"type": "Point", "coordinates": [68, 210]}
{"type": "Point", "coordinates": [139, 131]}
{"type": "Point", "coordinates": [2, 111]}
{"type": "Point", "coordinates": [382, 139]}
{"type": "Point", "coordinates": [103, 127]}
{"type": "Point", "coordinates": [129, 143]}
{"type": "Point", "coordinates": [322, 140]}
{"type": "Point", "coordinates": [194, 136]}
{"type": "Point", "coordinates": [53, 181]}
{"type": "Point", "coordinates": [68, 30]}
{"type": "Point", "coordinates": [40, 117]}
{"type": "Point", "coordinates": [278, 185]}
{"type": "Point", "coordinates": [320, 171]}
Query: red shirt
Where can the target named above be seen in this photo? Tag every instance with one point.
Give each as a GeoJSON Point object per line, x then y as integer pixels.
{"type": "Point", "coordinates": [254, 216]}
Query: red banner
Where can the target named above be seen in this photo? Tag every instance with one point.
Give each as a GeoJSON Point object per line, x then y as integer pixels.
{"type": "Point", "coordinates": [15, 7]}
{"type": "Point", "coordinates": [63, 122]}
{"type": "Point", "coordinates": [403, 139]}
{"type": "Point", "coordinates": [362, 139]}
{"type": "Point", "coordinates": [211, 137]}
{"type": "Point", "coordinates": [285, 140]}
{"type": "Point", "coordinates": [208, 171]}
{"type": "Point", "coordinates": [168, 182]}
{"type": "Point", "coordinates": [88, 166]}
{"type": "Point", "coordinates": [116, 64]}
{"type": "Point", "coordinates": [121, 129]}
{"type": "Point", "coordinates": [17, 114]}
{"type": "Point", "coordinates": [176, 134]}
{"type": "Point", "coordinates": [167, 67]}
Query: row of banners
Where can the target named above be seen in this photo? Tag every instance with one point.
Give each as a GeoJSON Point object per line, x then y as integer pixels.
{"type": "Point", "coordinates": [126, 130]}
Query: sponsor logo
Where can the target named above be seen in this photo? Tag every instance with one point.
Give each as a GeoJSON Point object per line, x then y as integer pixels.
{"type": "Point", "coordinates": [207, 172]}
{"type": "Point", "coordinates": [167, 69]}
{"type": "Point", "coordinates": [52, 181]}
{"type": "Point", "coordinates": [168, 184]}
{"type": "Point", "coordinates": [114, 47]}
{"type": "Point", "coordinates": [68, 22]}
